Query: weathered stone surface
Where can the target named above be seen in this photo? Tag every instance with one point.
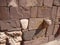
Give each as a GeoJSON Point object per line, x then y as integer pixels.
{"type": "Point", "coordinates": [44, 12]}
{"type": "Point", "coordinates": [27, 3]}
{"type": "Point", "coordinates": [2, 38]}
{"type": "Point", "coordinates": [28, 35]}
{"type": "Point", "coordinates": [35, 23]}
{"type": "Point", "coordinates": [37, 41]}
{"type": "Point", "coordinates": [17, 13]}
{"type": "Point", "coordinates": [40, 33]}
{"type": "Point", "coordinates": [34, 12]}
{"type": "Point", "coordinates": [50, 30]}
{"type": "Point", "coordinates": [39, 2]}
{"type": "Point", "coordinates": [48, 3]}
{"type": "Point", "coordinates": [9, 3]}
{"type": "Point", "coordinates": [57, 2]}
{"type": "Point", "coordinates": [54, 13]}
{"type": "Point", "coordinates": [55, 29]}
{"type": "Point", "coordinates": [3, 3]}
{"type": "Point", "coordinates": [4, 25]}
{"type": "Point", "coordinates": [58, 12]}
{"type": "Point", "coordinates": [4, 13]}
{"type": "Point", "coordinates": [51, 37]}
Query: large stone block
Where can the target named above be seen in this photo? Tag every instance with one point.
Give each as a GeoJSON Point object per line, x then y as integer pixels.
{"type": "Point", "coordinates": [40, 3]}
{"type": "Point", "coordinates": [55, 29]}
{"type": "Point", "coordinates": [4, 26]}
{"type": "Point", "coordinates": [48, 3]}
{"type": "Point", "coordinates": [54, 13]}
{"type": "Point", "coordinates": [57, 2]}
{"type": "Point", "coordinates": [58, 12]}
{"type": "Point", "coordinates": [50, 30]}
{"type": "Point", "coordinates": [27, 3]}
{"type": "Point", "coordinates": [28, 35]}
{"type": "Point", "coordinates": [4, 13]}
{"type": "Point", "coordinates": [3, 3]}
{"type": "Point", "coordinates": [37, 41]}
{"type": "Point", "coordinates": [44, 12]}
{"type": "Point", "coordinates": [40, 33]}
{"type": "Point", "coordinates": [35, 23]}
{"type": "Point", "coordinates": [17, 13]}
{"type": "Point", "coordinates": [34, 12]}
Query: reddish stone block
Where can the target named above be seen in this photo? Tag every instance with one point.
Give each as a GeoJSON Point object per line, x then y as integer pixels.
{"type": "Point", "coordinates": [37, 41]}
{"type": "Point", "coordinates": [4, 25]}
{"type": "Point", "coordinates": [50, 30]}
{"type": "Point", "coordinates": [57, 2]}
{"type": "Point", "coordinates": [51, 37]}
{"type": "Point", "coordinates": [4, 13]}
{"type": "Point", "coordinates": [35, 23]}
{"type": "Point", "coordinates": [17, 13]}
{"type": "Point", "coordinates": [56, 29]}
{"type": "Point", "coordinates": [3, 3]}
{"type": "Point", "coordinates": [54, 13]}
{"type": "Point", "coordinates": [48, 3]}
{"type": "Point", "coordinates": [40, 3]}
{"type": "Point", "coordinates": [34, 12]}
{"type": "Point", "coordinates": [58, 12]}
{"type": "Point", "coordinates": [28, 35]}
{"type": "Point", "coordinates": [27, 3]}
{"type": "Point", "coordinates": [44, 12]}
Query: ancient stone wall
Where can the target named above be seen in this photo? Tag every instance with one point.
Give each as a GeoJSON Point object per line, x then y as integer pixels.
{"type": "Point", "coordinates": [11, 31]}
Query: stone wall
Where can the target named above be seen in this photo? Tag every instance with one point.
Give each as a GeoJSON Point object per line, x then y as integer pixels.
{"type": "Point", "coordinates": [35, 11]}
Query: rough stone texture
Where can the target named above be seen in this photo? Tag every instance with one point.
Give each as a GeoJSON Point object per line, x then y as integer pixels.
{"type": "Point", "coordinates": [4, 25]}
{"type": "Point", "coordinates": [48, 3]}
{"type": "Point", "coordinates": [37, 41]}
{"type": "Point", "coordinates": [3, 3]}
{"type": "Point", "coordinates": [4, 13]}
{"type": "Point", "coordinates": [50, 30]}
{"type": "Point", "coordinates": [34, 12]}
{"type": "Point", "coordinates": [27, 3]}
{"type": "Point", "coordinates": [40, 33]}
{"type": "Point", "coordinates": [28, 35]}
{"type": "Point", "coordinates": [35, 23]}
{"type": "Point", "coordinates": [44, 12]}
{"type": "Point", "coordinates": [51, 37]}
{"type": "Point", "coordinates": [39, 2]}
{"type": "Point", "coordinates": [58, 12]}
{"type": "Point", "coordinates": [57, 2]}
{"type": "Point", "coordinates": [54, 13]}
{"type": "Point", "coordinates": [17, 13]}
{"type": "Point", "coordinates": [55, 29]}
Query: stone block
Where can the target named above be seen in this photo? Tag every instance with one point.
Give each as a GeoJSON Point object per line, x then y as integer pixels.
{"type": "Point", "coordinates": [48, 3]}
{"type": "Point", "coordinates": [40, 33]}
{"type": "Point", "coordinates": [27, 3]}
{"type": "Point", "coordinates": [55, 29]}
{"type": "Point", "coordinates": [44, 12]}
{"type": "Point", "coordinates": [50, 30]}
{"type": "Point", "coordinates": [37, 41]}
{"type": "Point", "coordinates": [34, 23]}
{"type": "Point", "coordinates": [17, 13]}
{"type": "Point", "coordinates": [54, 13]}
{"type": "Point", "coordinates": [3, 3]}
{"type": "Point", "coordinates": [28, 35]}
{"type": "Point", "coordinates": [57, 2]}
{"type": "Point", "coordinates": [39, 2]}
{"type": "Point", "coordinates": [4, 26]}
{"type": "Point", "coordinates": [4, 13]}
{"type": "Point", "coordinates": [58, 12]}
{"type": "Point", "coordinates": [51, 38]}
{"type": "Point", "coordinates": [34, 12]}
